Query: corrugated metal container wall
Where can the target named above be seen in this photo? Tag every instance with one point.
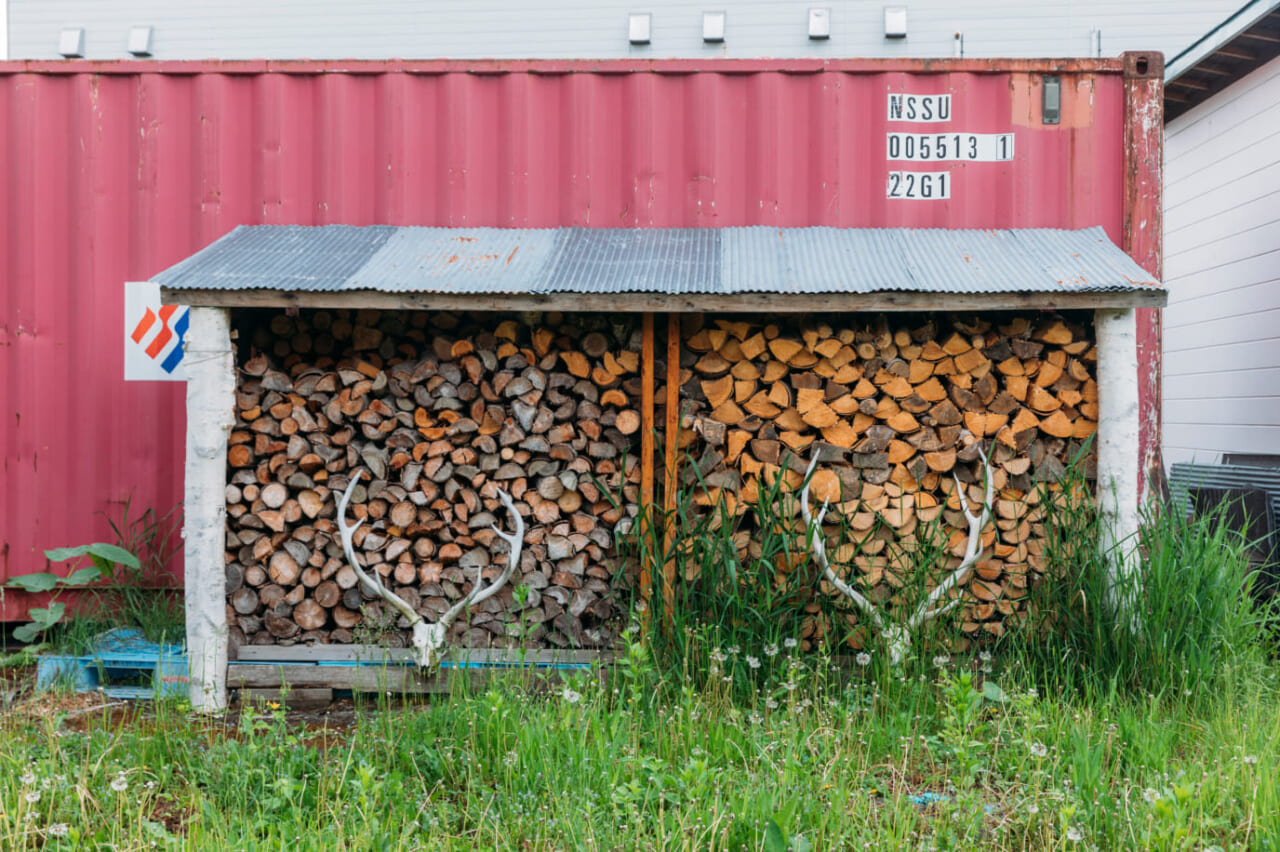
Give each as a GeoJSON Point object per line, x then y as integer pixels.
{"type": "Point", "coordinates": [113, 172]}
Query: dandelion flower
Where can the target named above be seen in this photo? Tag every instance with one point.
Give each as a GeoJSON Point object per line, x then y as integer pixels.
{"type": "Point", "coordinates": [771, 650]}
{"type": "Point", "coordinates": [571, 696]}
{"type": "Point", "coordinates": [753, 662]}
{"type": "Point", "coordinates": [119, 784]}
{"type": "Point", "coordinates": [33, 796]}
{"type": "Point", "coordinates": [789, 643]}
{"type": "Point", "coordinates": [59, 829]}
{"type": "Point", "coordinates": [1039, 750]}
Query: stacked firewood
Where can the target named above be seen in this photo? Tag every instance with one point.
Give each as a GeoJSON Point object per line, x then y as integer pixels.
{"type": "Point", "coordinates": [439, 411]}
{"type": "Point", "coordinates": [899, 411]}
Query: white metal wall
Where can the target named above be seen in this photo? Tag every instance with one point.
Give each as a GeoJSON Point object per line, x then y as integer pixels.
{"type": "Point", "coordinates": [1222, 267]}
{"type": "Point", "coordinates": [374, 29]}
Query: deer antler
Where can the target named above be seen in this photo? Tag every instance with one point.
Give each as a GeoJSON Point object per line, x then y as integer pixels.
{"type": "Point", "coordinates": [476, 596]}
{"type": "Point", "coordinates": [819, 548]}
{"type": "Point", "coordinates": [898, 636]}
{"type": "Point", "coordinates": [927, 611]}
{"type": "Point", "coordinates": [429, 639]}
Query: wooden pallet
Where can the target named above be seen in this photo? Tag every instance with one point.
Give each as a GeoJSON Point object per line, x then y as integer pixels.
{"type": "Point", "coordinates": [121, 664]}
{"type": "Point", "coordinates": [317, 673]}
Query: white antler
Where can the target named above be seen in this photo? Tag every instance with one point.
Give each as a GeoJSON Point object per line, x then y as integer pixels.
{"type": "Point", "coordinates": [928, 609]}
{"type": "Point", "coordinates": [898, 636]}
{"type": "Point", "coordinates": [429, 639]}
{"type": "Point", "coordinates": [819, 548]}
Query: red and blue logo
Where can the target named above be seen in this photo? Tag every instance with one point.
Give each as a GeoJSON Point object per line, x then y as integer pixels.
{"type": "Point", "coordinates": [165, 347]}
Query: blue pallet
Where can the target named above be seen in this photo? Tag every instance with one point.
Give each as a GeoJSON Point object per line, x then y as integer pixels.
{"type": "Point", "coordinates": [117, 655]}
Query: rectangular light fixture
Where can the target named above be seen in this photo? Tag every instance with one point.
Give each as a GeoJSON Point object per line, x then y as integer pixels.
{"type": "Point", "coordinates": [140, 41]}
{"type": "Point", "coordinates": [895, 21]}
{"type": "Point", "coordinates": [1051, 99]}
{"type": "Point", "coordinates": [819, 24]}
{"type": "Point", "coordinates": [639, 25]}
{"type": "Point", "coordinates": [713, 27]}
{"type": "Point", "coordinates": [71, 43]}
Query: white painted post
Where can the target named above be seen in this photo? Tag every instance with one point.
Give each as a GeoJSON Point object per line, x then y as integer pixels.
{"type": "Point", "coordinates": [210, 367]}
{"type": "Point", "coordinates": [1119, 467]}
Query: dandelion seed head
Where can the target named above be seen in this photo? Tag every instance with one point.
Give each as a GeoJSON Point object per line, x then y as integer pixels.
{"type": "Point", "coordinates": [863, 659]}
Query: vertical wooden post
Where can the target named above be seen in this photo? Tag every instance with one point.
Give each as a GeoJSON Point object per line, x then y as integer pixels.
{"type": "Point", "coordinates": [211, 386]}
{"type": "Point", "coordinates": [647, 508]}
{"type": "Point", "coordinates": [1144, 239]}
{"type": "Point", "coordinates": [670, 458]}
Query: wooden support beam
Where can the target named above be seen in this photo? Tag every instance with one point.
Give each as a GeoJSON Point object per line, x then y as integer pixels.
{"type": "Point", "coordinates": [647, 429]}
{"type": "Point", "coordinates": [670, 457]}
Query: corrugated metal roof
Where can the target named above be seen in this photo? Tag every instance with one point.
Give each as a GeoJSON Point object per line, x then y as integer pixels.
{"type": "Point", "coordinates": [675, 261]}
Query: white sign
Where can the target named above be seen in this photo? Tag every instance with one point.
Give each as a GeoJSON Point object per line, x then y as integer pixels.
{"type": "Point", "coordinates": [919, 108]}
{"type": "Point", "coordinates": [926, 186]}
{"type": "Point", "coordinates": [969, 147]}
{"type": "Point", "coordinates": [153, 335]}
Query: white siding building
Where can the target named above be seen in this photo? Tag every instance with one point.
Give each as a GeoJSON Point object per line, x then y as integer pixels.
{"type": "Point", "coordinates": [1222, 249]}
{"type": "Point", "coordinates": [597, 29]}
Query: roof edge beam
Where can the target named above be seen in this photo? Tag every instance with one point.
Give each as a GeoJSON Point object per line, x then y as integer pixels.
{"type": "Point", "coordinates": [691, 303]}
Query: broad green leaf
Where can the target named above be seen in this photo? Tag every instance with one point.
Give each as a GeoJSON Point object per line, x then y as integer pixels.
{"type": "Point", "coordinates": [992, 692]}
{"type": "Point", "coordinates": [102, 550]}
{"type": "Point", "coordinates": [116, 554]}
{"type": "Point", "coordinates": [48, 617]}
{"type": "Point", "coordinates": [61, 554]}
{"type": "Point", "coordinates": [83, 577]}
{"type": "Point", "coordinates": [27, 632]}
{"type": "Point", "coordinates": [775, 840]}
{"type": "Point", "coordinates": [42, 582]}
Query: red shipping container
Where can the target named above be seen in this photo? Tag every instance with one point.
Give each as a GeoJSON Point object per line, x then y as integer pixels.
{"type": "Point", "coordinates": [115, 171]}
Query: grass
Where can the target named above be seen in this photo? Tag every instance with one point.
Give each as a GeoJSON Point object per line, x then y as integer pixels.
{"type": "Point", "coordinates": [589, 766]}
{"type": "Point", "coordinates": [1084, 729]}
